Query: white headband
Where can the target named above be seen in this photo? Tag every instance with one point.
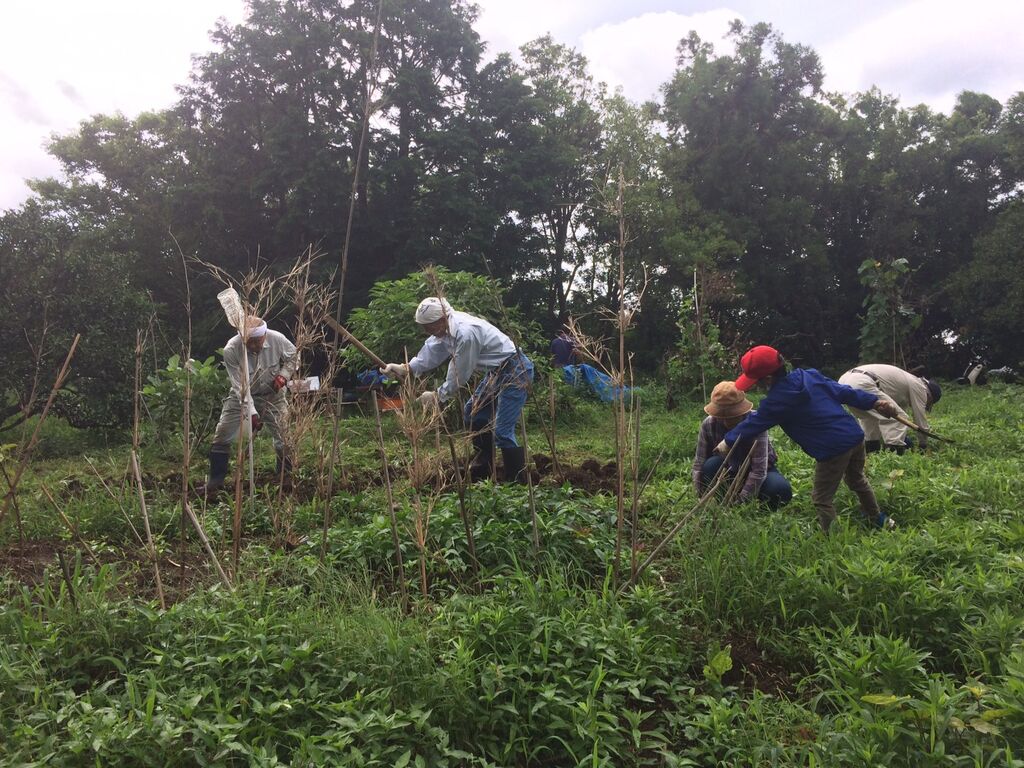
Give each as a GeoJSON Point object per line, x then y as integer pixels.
{"type": "Point", "coordinates": [255, 333]}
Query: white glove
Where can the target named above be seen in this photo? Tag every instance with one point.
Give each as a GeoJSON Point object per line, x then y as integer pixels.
{"type": "Point", "coordinates": [722, 448]}
{"type": "Point", "coordinates": [428, 400]}
{"type": "Point", "coordinates": [398, 370]}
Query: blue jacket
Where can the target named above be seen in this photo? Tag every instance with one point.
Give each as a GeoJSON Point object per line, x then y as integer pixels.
{"type": "Point", "coordinates": [809, 408]}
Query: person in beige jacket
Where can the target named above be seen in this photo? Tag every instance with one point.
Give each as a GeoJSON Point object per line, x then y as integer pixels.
{"type": "Point", "coordinates": [915, 394]}
{"type": "Point", "coordinates": [271, 362]}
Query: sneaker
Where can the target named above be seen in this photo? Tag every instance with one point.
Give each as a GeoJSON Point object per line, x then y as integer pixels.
{"type": "Point", "coordinates": [885, 522]}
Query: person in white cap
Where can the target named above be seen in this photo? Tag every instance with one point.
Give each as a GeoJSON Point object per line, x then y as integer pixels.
{"type": "Point", "coordinates": [272, 361]}
{"type": "Point", "coordinates": [473, 345]}
{"type": "Point", "coordinates": [907, 390]}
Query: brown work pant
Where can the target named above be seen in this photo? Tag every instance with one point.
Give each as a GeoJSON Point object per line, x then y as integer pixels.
{"type": "Point", "coordinates": [847, 466]}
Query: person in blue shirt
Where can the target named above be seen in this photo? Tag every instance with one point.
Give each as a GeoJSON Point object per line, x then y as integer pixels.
{"type": "Point", "coordinates": [809, 408]}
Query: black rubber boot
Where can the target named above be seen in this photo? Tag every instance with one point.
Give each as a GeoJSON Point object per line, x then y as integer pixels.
{"type": "Point", "coordinates": [284, 464]}
{"type": "Point", "coordinates": [871, 446]}
{"type": "Point", "coordinates": [218, 471]}
{"type": "Point", "coordinates": [515, 464]}
{"type": "Point", "coordinates": [483, 456]}
{"type": "Point", "coordinates": [899, 450]}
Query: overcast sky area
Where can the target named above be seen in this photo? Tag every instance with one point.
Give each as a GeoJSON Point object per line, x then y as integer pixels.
{"type": "Point", "coordinates": [64, 60]}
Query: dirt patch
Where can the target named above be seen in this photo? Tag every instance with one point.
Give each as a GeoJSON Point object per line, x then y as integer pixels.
{"type": "Point", "coordinates": [755, 667]}
{"type": "Point", "coordinates": [27, 563]}
{"type": "Point", "coordinates": [590, 475]}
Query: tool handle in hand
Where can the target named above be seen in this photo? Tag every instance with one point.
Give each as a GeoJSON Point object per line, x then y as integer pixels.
{"type": "Point", "coordinates": [339, 328]}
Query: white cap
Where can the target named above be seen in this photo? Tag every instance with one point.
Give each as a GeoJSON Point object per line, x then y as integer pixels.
{"type": "Point", "coordinates": [432, 309]}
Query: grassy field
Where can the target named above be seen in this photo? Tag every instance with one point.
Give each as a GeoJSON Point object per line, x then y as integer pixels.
{"type": "Point", "coordinates": [754, 640]}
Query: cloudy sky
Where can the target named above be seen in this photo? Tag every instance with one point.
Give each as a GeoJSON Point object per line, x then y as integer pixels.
{"type": "Point", "coordinates": [63, 60]}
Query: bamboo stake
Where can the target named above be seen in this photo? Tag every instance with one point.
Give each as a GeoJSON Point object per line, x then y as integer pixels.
{"type": "Point", "coordinates": [460, 480]}
{"type": "Point", "coordinates": [367, 111]}
{"type": "Point", "coordinates": [26, 452]}
{"type": "Point", "coordinates": [619, 381]}
{"type": "Point", "coordinates": [117, 501]}
{"type": "Point", "coordinates": [206, 545]}
{"type": "Point", "coordinates": [150, 546]}
{"type": "Point", "coordinates": [72, 529]}
{"type": "Point", "coordinates": [391, 503]}
{"type": "Point", "coordinates": [529, 485]}
{"type": "Point", "coordinates": [679, 526]}
{"type": "Point", "coordinates": [14, 503]}
{"type": "Point", "coordinates": [551, 430]}
{"type": "Point", "coordinates": [635, 508]}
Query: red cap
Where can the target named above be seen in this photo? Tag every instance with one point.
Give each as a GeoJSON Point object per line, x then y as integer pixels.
{"type": "Point", "coordinates": [757, 363]}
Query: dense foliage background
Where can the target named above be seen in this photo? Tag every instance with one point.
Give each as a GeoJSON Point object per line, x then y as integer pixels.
{"type": "Point", "coordinates": [832, 225]}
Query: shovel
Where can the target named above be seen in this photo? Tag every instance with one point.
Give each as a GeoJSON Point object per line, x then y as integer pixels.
{"type": "Point", "coordinates": [922, 430]}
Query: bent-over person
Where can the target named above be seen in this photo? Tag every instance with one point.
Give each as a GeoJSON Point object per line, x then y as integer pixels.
{"type": "Point", "coordinates": [907, 391]}
{"type": "Point", "coordinates": [809, 408]}
{"type": "Point", "coordinates": [472, 345]}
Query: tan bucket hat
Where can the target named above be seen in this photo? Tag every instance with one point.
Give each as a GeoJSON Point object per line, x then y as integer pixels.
{"type": "Point", "coordinates": [727, 401]}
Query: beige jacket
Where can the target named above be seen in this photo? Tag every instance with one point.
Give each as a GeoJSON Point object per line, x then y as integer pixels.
{"type": "Point", "coordinates": [278, 357]}
{"type": "Point", "coordinates": [908, 391]}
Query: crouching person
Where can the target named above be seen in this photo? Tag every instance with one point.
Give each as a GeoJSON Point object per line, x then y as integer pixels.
{"type": "Point", "coordinates": [727, 409]}
{"type": "Point", "coordinates": [472, 345]}
{"type": "Point", "coordinates": [271, 363]}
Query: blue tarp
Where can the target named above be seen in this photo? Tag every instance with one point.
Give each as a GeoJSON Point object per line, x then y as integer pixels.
{"type": "Point", "coordinates": [370, 377]}
{"type": "Point", "coordinates": [598, 382]}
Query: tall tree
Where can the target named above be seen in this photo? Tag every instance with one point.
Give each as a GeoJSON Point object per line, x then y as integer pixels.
{"type": "Point", "coordinates": [751, 136]}
{"type": "Point", "coordinates": [562, 166]}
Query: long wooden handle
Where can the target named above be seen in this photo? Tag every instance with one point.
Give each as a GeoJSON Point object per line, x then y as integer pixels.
{"type": "Point", "coordinates": [922, 430]}
{"type": "Point", "coordinates": [338, 328]}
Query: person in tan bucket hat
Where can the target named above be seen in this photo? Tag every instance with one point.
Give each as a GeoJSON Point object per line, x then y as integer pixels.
{"type": "Point", "coordinates": [728, 407]}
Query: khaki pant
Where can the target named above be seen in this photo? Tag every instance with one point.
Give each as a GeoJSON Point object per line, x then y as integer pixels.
{"type": "Point", "coordinates": [273, 411]}
{"type": "Point", "coordinates": [848, 466]}
{"type": "Point", "coordinates": [875, 425]}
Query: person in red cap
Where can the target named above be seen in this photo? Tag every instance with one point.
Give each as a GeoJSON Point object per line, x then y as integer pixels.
{"type": "Point", "coordinates": [809, 408]}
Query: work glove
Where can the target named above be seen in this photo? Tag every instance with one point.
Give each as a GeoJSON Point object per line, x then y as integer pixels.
{"type": "Point", "coordinates": [722, 448]}
{"type": "Point", "coordinates": [398, 370]}
{"type": "Point", "coordinates": [279, 382]}
{"type": "Point", "coordinates": [886, 407]}
{"type": "Point", "coordinates": [256, 423]}
{"type": "Point", "coordinates": [428, 400]}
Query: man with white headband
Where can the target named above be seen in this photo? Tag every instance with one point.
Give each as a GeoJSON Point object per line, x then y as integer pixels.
{"type": "Point", "coordinates": [473, 345]}
{"type": "Point", "coordinates": [272, 361]}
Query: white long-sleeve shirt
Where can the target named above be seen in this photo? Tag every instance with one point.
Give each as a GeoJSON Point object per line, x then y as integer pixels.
{"type": "Point", "coordinates": [278, 357]}
{"type": "Point", "coordinates": [471, 343]}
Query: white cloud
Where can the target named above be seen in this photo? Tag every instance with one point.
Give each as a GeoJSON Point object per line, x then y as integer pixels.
{"type": "Point", "coordinates": [505, 25]}
{"type": "Point", "coordinates": [64, 60]}
{"type": "Point", "coordinates": [930, 50]}
{"type": "Point", "coordinates": [639, 54]}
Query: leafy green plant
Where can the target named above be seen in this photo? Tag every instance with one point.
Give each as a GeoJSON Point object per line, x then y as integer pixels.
{"type": "Point", "coordinates": [700, 360]}
{"type": "Point", "coordinates": [387, 326]}
{"type": "Point", "coordinates": [888, 319]}
{"type": "Point", "coordinates": [164, 396]}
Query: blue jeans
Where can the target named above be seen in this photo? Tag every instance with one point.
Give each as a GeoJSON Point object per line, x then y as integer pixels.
{"type": "Point", "coordinates": [775, 490]}
{"type": "Point", "coordinates": [500, 398]}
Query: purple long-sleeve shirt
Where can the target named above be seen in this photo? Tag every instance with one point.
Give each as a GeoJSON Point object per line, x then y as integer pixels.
{"type": "Point", "coordinates": [762, 455]}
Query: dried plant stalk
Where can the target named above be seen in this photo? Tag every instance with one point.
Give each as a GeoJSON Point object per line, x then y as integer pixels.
{"type": "Point", "coordinates": [386, 470]}
{"type": "Point", "coordinates": [29, 447]}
